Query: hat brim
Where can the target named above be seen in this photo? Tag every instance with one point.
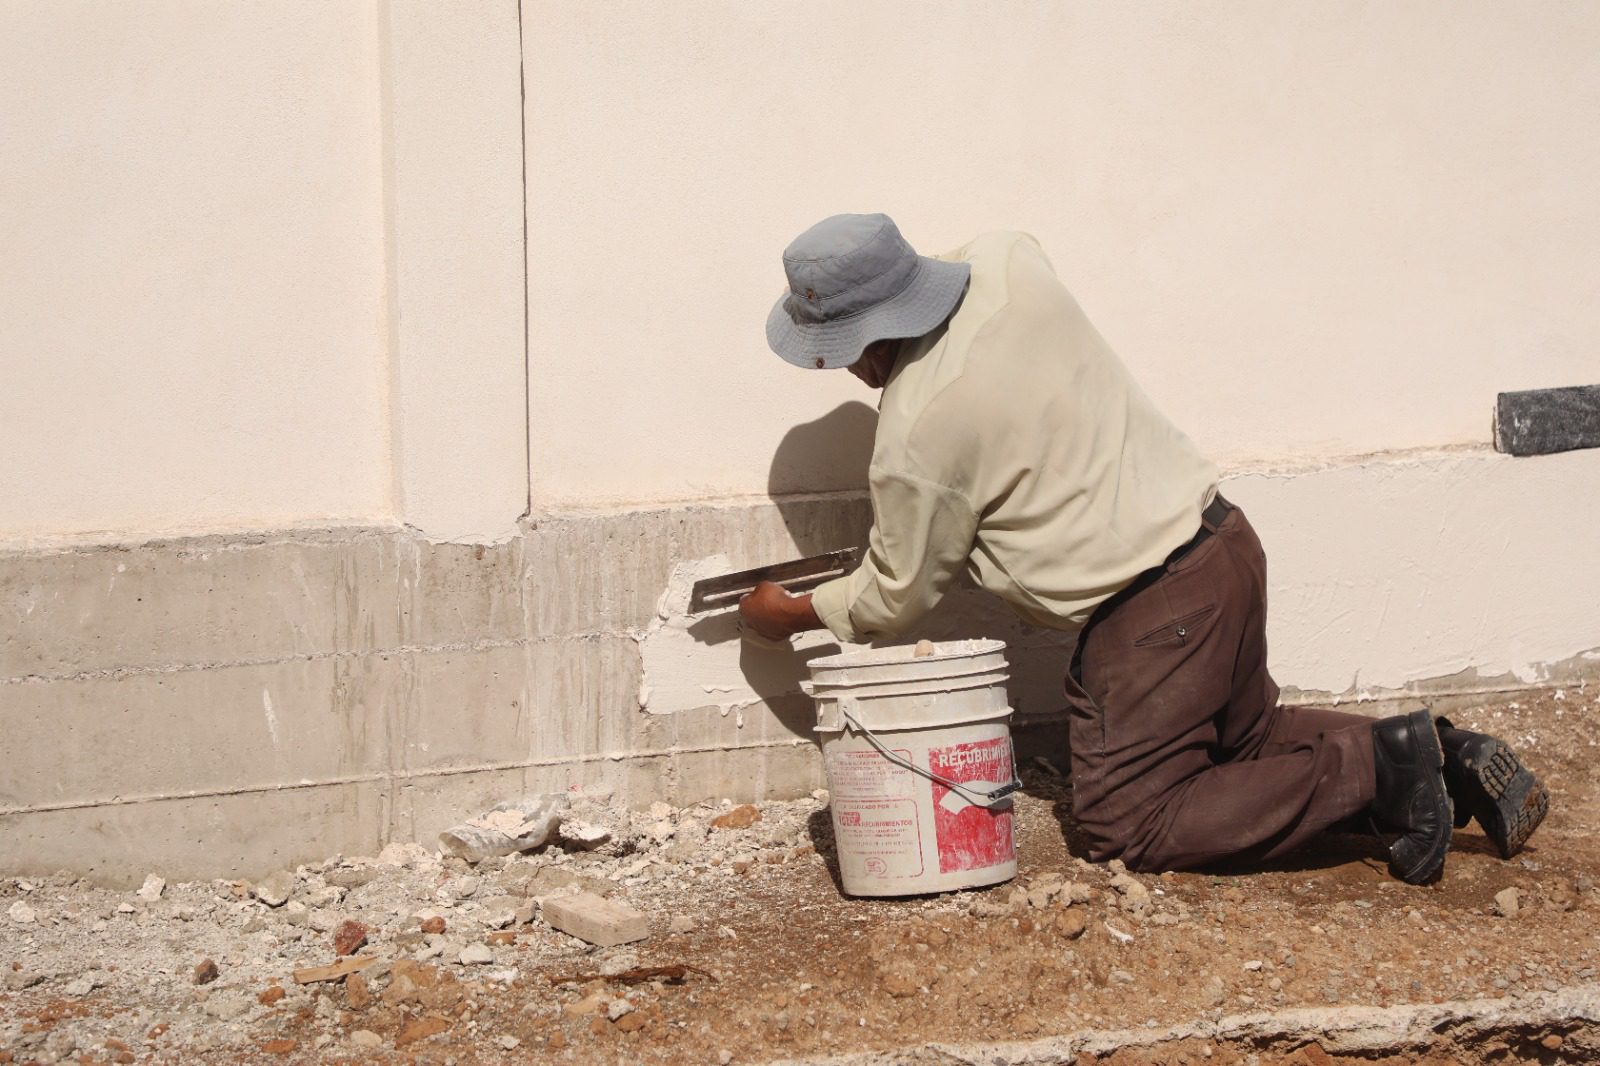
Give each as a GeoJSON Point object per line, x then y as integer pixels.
{"type": "Point", "coordinates": [917, 309]}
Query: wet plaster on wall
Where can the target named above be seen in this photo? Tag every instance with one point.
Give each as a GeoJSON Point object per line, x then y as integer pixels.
{"type": "Point", "coordinates": [691, 662]}
{"type": "Point", "coordinates": [706, 660]}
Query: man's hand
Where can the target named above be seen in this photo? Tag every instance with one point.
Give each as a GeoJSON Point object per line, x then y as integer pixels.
{"type": "Point", "coordinates": [777, 615]}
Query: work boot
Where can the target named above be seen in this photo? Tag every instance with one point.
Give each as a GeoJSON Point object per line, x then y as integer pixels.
{"type": "Point", "coordinates": [1411, 797]}
{"type": "Point", "coordinates": [1488, 782]}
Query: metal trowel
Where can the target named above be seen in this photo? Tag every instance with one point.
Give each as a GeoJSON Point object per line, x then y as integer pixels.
{"type": "Point", "coordinates": [798, 575]}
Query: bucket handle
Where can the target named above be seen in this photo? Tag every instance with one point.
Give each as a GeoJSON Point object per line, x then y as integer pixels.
{"type": "Point", "coordinates": [984, 799]}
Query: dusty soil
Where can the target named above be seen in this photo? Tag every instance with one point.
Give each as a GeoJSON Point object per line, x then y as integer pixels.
{"type": "Point", "coordinates": [778, 964]}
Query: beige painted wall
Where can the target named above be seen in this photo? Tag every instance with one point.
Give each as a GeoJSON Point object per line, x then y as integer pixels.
{"type": "Point", "coordinates": [1311, 228]}
{"type": "Point", "coordinates": [191, 268]}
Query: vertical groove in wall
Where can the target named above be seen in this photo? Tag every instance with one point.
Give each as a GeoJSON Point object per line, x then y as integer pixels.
{"type": "Point", "coordinates": [527, 337]}
{"type": "Point", "coordinates": [388, 82]}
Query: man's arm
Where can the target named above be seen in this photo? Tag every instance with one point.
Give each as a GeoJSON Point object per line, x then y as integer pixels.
{"type": "Point", "coordinates": [922, 534]}
{"type": "Point", "coordinates": [777, 614]}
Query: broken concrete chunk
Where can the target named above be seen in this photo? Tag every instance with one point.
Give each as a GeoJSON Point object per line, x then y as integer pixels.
{"type": "Point", "coordinates": [585, 836]}
{"type": "Point", "coordinates": [22, 914]}
{"type": "Point", "coordinates": [152, 888]}
{"type": "Point", "coordinates": [407, 855]}
{"type": "Point", "coordinates": [506, 829]}
{"type": "Point", "coordinates": [476, 955]}
{"type": "Point", "coordinates": [597, 920]}
{"type": "Point", "coordinates": [274, 889]}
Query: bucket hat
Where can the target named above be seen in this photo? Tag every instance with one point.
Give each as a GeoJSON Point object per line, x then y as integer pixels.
{"type": "Point", "coordinates": [853, 280]}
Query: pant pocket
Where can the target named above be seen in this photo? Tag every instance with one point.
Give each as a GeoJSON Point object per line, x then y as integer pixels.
{"type": "Point", "coordinates": [1176, 632]}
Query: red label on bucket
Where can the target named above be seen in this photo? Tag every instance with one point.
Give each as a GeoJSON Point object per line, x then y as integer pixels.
{"type": "Point", "coordinates": [972, 837]}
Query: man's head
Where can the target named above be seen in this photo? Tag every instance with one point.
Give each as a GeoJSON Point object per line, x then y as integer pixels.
{"type": "Point", "coordinates": [854, 282]}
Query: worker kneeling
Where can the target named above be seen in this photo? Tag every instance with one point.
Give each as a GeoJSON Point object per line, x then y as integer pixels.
{"type": "Point", "coordinates": [1013, 445]}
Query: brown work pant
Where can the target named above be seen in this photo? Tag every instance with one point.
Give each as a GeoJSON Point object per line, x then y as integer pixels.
{"type": "Point", "coordinates": [1181, 756]}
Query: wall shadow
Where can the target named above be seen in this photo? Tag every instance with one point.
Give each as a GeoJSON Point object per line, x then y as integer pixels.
{"type": "Point", "coordinates": [828, 454]}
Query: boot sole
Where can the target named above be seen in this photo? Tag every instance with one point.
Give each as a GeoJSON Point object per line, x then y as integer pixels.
{"type": "Point", "coordinates": [1429, 866]}
{"type": "Point", "coordinates": [1508, 800]}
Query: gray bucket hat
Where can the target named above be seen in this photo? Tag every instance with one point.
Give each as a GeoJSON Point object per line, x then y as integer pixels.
{"type": "Point", "coordinates": [854, 280]}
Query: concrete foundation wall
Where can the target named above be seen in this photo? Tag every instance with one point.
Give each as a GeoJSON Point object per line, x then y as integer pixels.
{"type": "Point", "coordinates": [228, 704]}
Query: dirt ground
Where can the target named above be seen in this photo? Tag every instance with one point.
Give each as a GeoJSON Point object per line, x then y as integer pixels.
{"type": "Point", "coordinates": [776, 964]}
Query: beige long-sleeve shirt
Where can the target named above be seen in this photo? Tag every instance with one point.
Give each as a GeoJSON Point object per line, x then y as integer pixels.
{"type": "Point", "coordinates": [1013, 445]}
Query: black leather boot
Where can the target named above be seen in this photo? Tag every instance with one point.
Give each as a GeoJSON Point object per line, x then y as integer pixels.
{"type": "Point", "coordinates": [1488, 782]}
{"type": "Point", "coordinates": [1411, 796]}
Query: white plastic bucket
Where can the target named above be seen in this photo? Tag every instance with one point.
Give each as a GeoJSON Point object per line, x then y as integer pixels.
{"type": "Point", "coordinates": [920, 769]}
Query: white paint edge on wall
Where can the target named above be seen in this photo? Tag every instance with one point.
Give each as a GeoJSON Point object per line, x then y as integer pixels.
{"type": "Point", "coordinates": [1384, 572]}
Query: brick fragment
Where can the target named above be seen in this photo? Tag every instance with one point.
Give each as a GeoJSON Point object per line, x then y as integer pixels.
{"type": "Point", "coordinates": [741, 817]}
{"type": "Point", "coordinates": [605, 922]}
{"type": "Point", "coordinates": [348, 938]}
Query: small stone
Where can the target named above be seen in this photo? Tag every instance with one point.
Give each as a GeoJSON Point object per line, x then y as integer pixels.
{"type": "Point", "coordinates": [205, 972]}
{"type": "Point", "coordinates": [227, 1005]}
{"type": "Point", "coordinates": [22, 914]}
{"type": "Point", "coordinates": [476, 955]}
{"type": "Point", "coordinates": [351, 877]}
{"type": "Point", "coordinates": [296, 913]}
{"type": "Point", "coordinates": [80, 987]}
{"type": "Point", "coordinates": [270, 995]}
{"type": "Point", "coordinates": [741, 817]}
{"type": "Point", "coordinates": [899, 985]}
{"type": "Point", "coordinates": [681, 923]}
{"type": "Point", "coordinates": [630, 1023]}
{"type": "Point", "coordinates": [152, 888]}
{"type": "Point", "coordinates": [618, 1008]}
{"type": "Point", "coordinates": [1070, 924]}
{"type": "Point", "coordinates": [509, 1042]}
{"type": "Point", "coordinates": [1122, 976]}
{"type": "Point", "coordinates": [274, 889]}
{"type": "Point", "coordinates": [724, 1057]}
{"type": "Point", "coordinates": [323, 921]}
{"type": "Point", "coordinates": [1552, 1042]}
{"type": "Point", "coordinates": [1130, 887]}
{"type": "Point", "coordinates": [348, 937]}
{"type": "Point", "coordinates": [1253, 965]}
{"type": "Point", "coordinates": [593, 1003]}
{"type": "Point", "coordinates": [17, 982]}
{"type": "Point", "coordinates": [501, 939]}
{"type": "Point", "coordinates": [434, 925]}
{"type": "Point", "coordinates": [365, 1038]}
{"type": "Point", "coordinates": [420, 1029]}
{"type": "Point", "coordinates": [281, 1046]}
{"type": "Point", "coordinates": [465, 887]}
{"type": "Point", "coordinates": [357, 993]}
{"type": "Point", "coordinates": [1507, 901]}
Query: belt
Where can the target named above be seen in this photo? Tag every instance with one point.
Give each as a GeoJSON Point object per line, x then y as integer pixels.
{"type": "Point", "coordinates": [1210, 518]}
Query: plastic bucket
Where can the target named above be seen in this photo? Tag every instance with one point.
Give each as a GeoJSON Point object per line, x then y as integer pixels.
{"type": "Point", "coordinates": [917, 751]}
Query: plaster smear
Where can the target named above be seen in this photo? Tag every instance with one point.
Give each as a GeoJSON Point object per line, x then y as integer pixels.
{"type": "Point", "coordinates": [705, 660]}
